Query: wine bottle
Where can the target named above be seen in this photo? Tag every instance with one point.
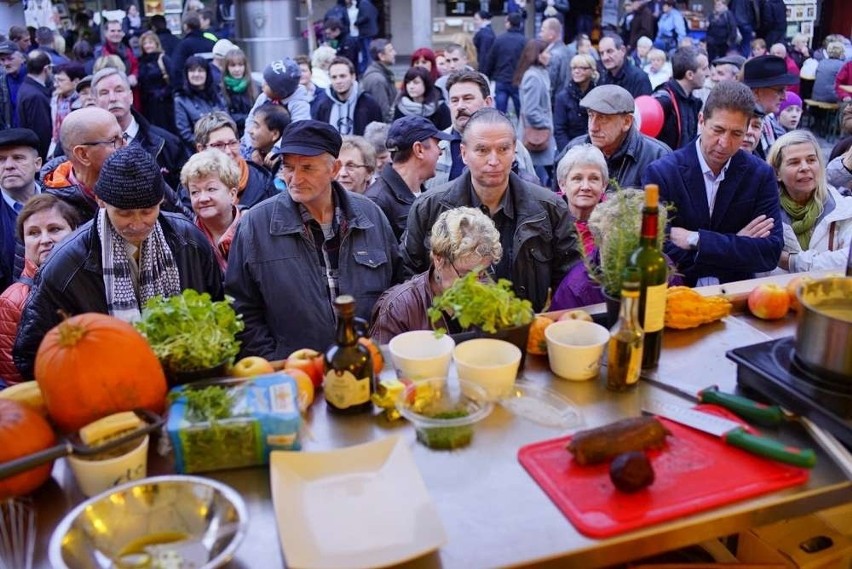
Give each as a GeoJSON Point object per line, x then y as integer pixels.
{"type": "Point", "coordinates": [653, 279]}
{"type": "Point", "coordinates": [624, 356]}
{"type": "Point", "coordinates": [348, 383]}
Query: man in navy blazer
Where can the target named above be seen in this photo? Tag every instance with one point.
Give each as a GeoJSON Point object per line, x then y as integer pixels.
{"type": "Point", "coordinates": [727, 203]}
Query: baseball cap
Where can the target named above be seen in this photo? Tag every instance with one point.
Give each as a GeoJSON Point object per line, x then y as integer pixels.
{"type": "Point", "coordinates": [222, 47]}
{"type": "Point", "coordinates": [407, 130]}
{"type": "Point", "coordinates": [608, 100]}
{"type": "Point", "coordinates": [8, 47]}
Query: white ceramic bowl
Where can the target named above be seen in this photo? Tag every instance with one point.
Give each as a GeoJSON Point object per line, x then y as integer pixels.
{"type": "Point", "coordinates": [490, 363]}
{"type": "Point", "coordinates": [575, 348]}
{"type": "Point", "coordinates": [419, 354]}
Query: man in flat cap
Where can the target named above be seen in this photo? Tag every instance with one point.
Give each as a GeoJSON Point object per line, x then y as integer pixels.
{"type": "Point", "coordinates": [612, 130]}
{"type": "Point", "coordinates": [726, 225]}
{"type": "Point", "coordinates": [19, 163]}
{"type": "Point", "coordinates": [129, 253]}
{"type": "Point", "coordinates": [768, 79]}
{"type": "Point", "coordinates": [293, 254]}
{"type": "Point", "coordinates": [539, 242]}
{"type": "Point", "coordinates": [413, 144]}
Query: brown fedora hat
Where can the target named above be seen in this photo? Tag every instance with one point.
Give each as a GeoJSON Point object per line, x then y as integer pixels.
{"type": "Point", "coordinates": [767, 71]}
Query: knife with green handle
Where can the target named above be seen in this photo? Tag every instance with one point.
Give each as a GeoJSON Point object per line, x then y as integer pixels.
{"type": "Point", "coordinates": [732, 433]}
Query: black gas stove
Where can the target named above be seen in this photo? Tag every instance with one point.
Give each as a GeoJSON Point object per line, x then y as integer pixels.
{"type": "Point", "coordinates": [772, 371]}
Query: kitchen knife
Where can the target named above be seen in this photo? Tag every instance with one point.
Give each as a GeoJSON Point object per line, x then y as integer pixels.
{"type": "Point", "coordinates": [732, 433]}
{"type": "Point", "coordinates": [750, 410]}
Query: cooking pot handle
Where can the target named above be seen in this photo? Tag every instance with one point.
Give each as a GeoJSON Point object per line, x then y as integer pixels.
{"type": "Point", "coordinates": [30, 461]}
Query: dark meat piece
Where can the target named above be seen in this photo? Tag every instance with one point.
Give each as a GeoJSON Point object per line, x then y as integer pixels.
{"type": "Point", "coordinates": [603, 443]}
{"type": "Point", "coordinates": [631, 471]}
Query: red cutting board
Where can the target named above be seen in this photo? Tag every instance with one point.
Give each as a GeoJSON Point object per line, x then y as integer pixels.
{"type": "Point", "coordinates": [694, 472]}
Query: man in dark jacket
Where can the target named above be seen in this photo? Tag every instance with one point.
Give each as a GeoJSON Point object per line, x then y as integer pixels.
{"type": "Point", "coordinates": [484, 37]}
{"type": "Point", "coordinates": [773, 21]}
{"type": "Point", "coordinates": [538, 239]}
{"type": "Point", "coordinates": [14, 63]}
{"type": "Point", "coordinates": [747, 14]}
{"type": "Point", "coordinates": [168, 40]}
{"type": "Point", "coordinates": [129, 253]}
{"type": "Point", "coordinates": [618, 71]}
{"type": "Point", "coordinates": [337, 36]}
{"type": "Point", "coordinates": [378, 80]}
{"type": "Point", "coordinates": [33, 106]}
{"type": "Point", "coordinates": [680, 107]}
{"type": "Point", "coordinates": [344, 105]}
{"type": "Point", "coordinates": [627, 151]}
{"type": "Point", "coordinates": [413, 143]}
{"type": "Point", "coordinates": [367, 23]}
{"type": "Point", "coordinates": [193, 42]}
{"type": "Point", "coordinates": [112, 92]}
{"type": "Point", "coordinates": [642, 24]}
{"type": "Point", "coordinates": [294, 254]}
{"type": "Point", "coordinates": [501, 63]}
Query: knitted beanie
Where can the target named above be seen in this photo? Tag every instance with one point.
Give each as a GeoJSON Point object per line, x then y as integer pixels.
{"type": "Point", "coordinates": [282, 76]}
{"type": "Point", "coordinates": [130, 179]}
{"type": "Point", "coordinates": [792, 100]}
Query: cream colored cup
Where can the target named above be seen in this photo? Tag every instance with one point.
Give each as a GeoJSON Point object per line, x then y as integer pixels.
{"type": "Point", "coordinates": [490, 363]}
{"type": "Point", "coordinates": [95, 476]}
{"type": "Point", "coordinates": [575, 347]}
{"type": "Point", "coordinates": [420, 355]}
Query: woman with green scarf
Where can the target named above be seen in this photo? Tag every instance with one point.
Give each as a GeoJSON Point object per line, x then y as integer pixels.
{"type": "Point", "coordinates": [817, 219]}
{"type": "Point", "coordinates": [238, 87]}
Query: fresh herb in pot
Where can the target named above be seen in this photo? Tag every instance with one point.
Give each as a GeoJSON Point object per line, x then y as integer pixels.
{"type": "Point", "coordinates": [488, 306]}
{"type": "Point", "coordinates": [190, 332]}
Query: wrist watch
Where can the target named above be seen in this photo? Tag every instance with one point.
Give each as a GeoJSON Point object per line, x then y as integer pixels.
{"type": "Point", "coordinates": [692, 240]}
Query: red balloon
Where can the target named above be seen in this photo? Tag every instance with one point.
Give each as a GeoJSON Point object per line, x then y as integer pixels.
{"type": "Point", "coordinates": [649, 115]}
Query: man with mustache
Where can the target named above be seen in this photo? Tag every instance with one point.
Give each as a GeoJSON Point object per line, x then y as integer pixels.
{"type": "Point", "coordinates": [468, 92]}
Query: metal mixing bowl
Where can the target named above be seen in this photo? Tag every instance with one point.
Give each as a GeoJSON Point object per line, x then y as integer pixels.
{"type": "Point", "coordinates": [152, 522]}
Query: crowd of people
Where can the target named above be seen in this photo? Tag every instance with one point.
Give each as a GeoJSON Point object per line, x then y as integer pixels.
{"type": "Point", "coordinates": [132, 169]}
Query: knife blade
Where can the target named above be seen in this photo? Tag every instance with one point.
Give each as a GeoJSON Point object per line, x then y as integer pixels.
{"type": "Point", "coordinates": [748, 409]}
{"type": "Point", "coordinates": [732, 433]}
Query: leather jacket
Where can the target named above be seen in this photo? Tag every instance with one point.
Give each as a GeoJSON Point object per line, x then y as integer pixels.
{"type": "Point", "coordinates": [402, 308]}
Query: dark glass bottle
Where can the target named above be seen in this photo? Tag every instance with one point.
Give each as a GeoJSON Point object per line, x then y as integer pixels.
{"type": "Point", "coordinates": [348, 383]}
{"type": "Point", "coordinates": [624, 354]}
{"type": "Point", "coordinates": [653, 279]}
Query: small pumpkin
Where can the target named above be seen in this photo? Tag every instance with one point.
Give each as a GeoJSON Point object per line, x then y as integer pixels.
{"type": "Point", "coordinates": [537, 344]}
{"type": "Point", "coordinates": [375, 352]}
{"type": "Point", "coordinates": [93, 365]}
{"type": "Point", "coordinates": [23, 432]}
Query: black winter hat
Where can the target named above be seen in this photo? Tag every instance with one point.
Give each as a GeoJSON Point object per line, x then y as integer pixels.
{"type": "Point", "coordinates": [130, 179]}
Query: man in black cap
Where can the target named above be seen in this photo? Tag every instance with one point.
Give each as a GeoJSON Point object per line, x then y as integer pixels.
{"type": "Point", "coordinates": [19, 163]}
{"type": "Point", "coordinates": [413, 144]}
{"type": "Point", "coordinates": [295, 253]}
{"type": "Point", "coordinates": [129, 253]}
{"type": "Point", "coordinates": [13, 61]}
{"type": "Point", "coordinates": [612, 130]}
{"type": "Point", "coordinates": [768, 79]}
{"type": "Point", "coordinates": [539, 242]}
{"type": "Point", "coordinates": [727, 224]}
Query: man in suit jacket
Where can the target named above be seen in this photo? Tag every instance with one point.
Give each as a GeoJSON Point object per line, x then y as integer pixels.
{"type": "Point", "coordinates": [726, 225]}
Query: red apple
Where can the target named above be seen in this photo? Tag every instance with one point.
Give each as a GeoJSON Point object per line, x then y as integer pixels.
{"type": "Point", "coordinates": [309, 361]}
{"type": "Point", "coordinates": [769, 301]}
{"type": "Point", "coordinates": [251, 366]}
{"type": "Point", "coordinates": [792, 287]}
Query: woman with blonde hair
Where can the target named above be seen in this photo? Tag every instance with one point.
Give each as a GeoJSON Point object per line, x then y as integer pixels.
{"type": "Point", "coordinates": [569, 118]}
{"type": "Point", "coordinates": [466, 41]}
{"type": "Point", "coordinates": [826, 73]}
{"type": "Point", "coordinates": [462, 240]}
{"type": "Point", "coordinates": [817, 219]}
{"type": "Point", "coordinates": [155, 83]}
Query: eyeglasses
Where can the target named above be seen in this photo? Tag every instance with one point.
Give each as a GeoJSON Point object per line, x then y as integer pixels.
{"type": "Point", "coordinates": [116, 142]}
{"type": "Point", "coordinates": [221, 146]}
{"type": "Point", "coordinates": [483, 273]}
{"type": "Point", "coordinates": [352, 166]}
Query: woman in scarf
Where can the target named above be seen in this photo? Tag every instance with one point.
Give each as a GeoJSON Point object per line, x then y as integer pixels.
{"type": "Point", "coordinates": [211, 179]}
{"type": "Point", "coordinates": [129, 253]}
{"type": "Point", "coordinates": [817, 219]}
{"type": "Point", "coordinates": [197, 96]}
{"type": "Point", "coordinates": [420, 97]}
{"type": "Point", "coordinates": [238, 87]}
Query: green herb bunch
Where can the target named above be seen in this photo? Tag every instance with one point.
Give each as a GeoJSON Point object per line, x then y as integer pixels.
{"type": "Point", "coordinates": [190, 332]}
{"type": "Point", "coordinates": [616, 225]}
{"type": "Point", "coordinates": [488, 306]}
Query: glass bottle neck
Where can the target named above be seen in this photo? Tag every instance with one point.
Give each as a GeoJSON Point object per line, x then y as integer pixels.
{"type": "Point", "coordinates": [650, 220]}
{"type": "Point", "coordinates": [629, 311]}
{"type": "Point", "coordinates": [346, 334]}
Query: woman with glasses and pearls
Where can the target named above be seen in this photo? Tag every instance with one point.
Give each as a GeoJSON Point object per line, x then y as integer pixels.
{"type": "Point", "coordinates": [196, 97]}
{"type": "Point", "coordinates": [570, 119]}
{"type": "Point", "coordinates": [357, 164]}
{"type": "Point", "coordinates": [462, 240]}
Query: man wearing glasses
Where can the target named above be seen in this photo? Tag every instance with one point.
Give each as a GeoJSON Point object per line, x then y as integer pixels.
{"type": "Point", "coordinates": [218, 130]}
{"type": "Point", "coordinates": [768, 79]}
{"type": "Point", "coordinates": [345, 105]}
{"type": "Point", "coordinates": [112, 92]}
{"type": "Point", "coordinates": [129, 253]}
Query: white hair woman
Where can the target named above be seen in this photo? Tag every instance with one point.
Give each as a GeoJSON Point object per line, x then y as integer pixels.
{"type": "Point", "coordinates": [582, 175]}
{"type": "Point", "coordinates": [817, 219]}
{"type": "Point", "coordinates": [463, 240]}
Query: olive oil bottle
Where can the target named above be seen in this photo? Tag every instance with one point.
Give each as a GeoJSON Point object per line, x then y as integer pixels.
{"type": "Point", "coordinates": [348, 382]}
{"type": "Point", "coordinates": [624, 357]}
{"type": "Point", "coordinates": [653, 279]}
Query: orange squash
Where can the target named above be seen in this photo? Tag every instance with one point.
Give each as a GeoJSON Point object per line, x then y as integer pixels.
{"type": "Point", "coordinates": [537, 344]}
{"type": "Point", "coordinates": [93, 365]}
{"type": "Point", "coordinates": [23, 432]}
{"type": "Point", "coordinates": [375, 352]}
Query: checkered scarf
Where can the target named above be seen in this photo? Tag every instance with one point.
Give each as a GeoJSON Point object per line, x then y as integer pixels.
{"type": "Point", "coordinates": [158, 273]}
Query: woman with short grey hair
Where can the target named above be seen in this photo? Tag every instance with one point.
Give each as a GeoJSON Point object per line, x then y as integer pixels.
{"type": "Point", "coordinates": [583, 175]}
{"type": "Point", "coordinates": [463, 240]}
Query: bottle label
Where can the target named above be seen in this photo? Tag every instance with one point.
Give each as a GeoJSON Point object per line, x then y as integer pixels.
{"type": "Point", "coordinates": [655, 308]}
{"type": "Point", "coordinates": [343, 390]}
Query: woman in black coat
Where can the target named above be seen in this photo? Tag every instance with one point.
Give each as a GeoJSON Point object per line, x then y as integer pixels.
{"type": "Point", "coordinates": [196, 97]}
{"type": "Point", "coordinates": [722, 31]}
{"type": "Point", "coordinates": [419, 96]}
{"type": "Point", "coordinates": [569, 118]}
{"type": "Point", "coordinates": [157, 101]}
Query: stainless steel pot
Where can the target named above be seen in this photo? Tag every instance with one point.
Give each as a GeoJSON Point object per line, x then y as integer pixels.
{"type": "Point", "coordinates": [824, 330]}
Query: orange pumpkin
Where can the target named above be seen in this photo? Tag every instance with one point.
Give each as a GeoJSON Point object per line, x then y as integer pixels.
{"type": "Point", "coordinates": [23, 432]}
{"type": "Point", "coordinates": [375, 352]}
{"type": "Point", "coordinates": [536, 344]}
{"type": "Point", "coordinates": [93, 365]}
